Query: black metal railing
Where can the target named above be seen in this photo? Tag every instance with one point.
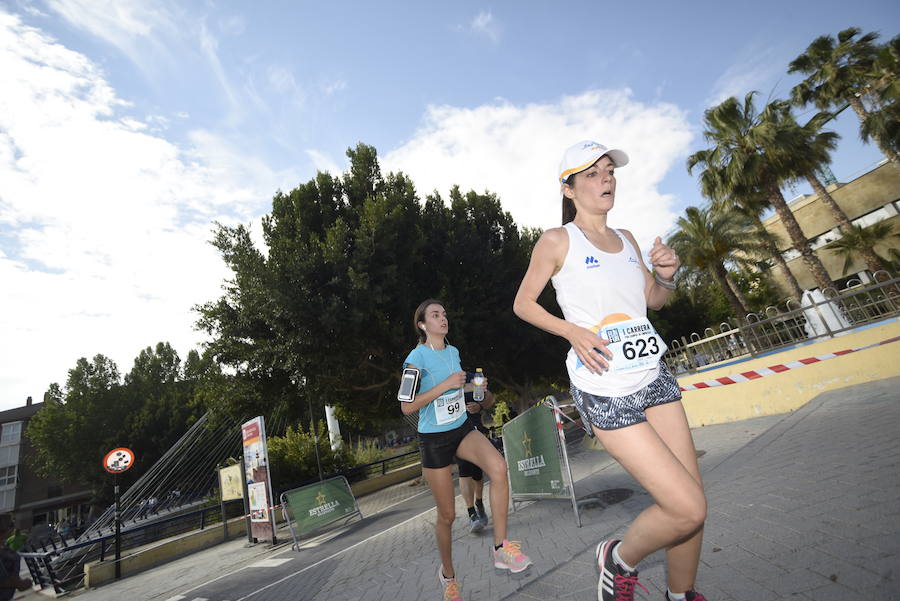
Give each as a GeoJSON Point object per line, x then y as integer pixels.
{"type": "Point", "coordinates": [61, 564]}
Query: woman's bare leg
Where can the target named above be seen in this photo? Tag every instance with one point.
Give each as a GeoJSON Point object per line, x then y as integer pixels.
{"type": "Point", "coordinates": [680, 507]}
{"type": "Point", "coordinates": [479, 450]}
{"type": "Point", "coordinates": [441, 484]}
{"type": "Point", "coordinates": [683, 557]}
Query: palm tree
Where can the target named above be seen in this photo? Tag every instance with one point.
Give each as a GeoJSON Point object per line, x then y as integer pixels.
{"type": "Point", "coordinates": [886, 71]}
{"type": "Point", "coordinates": [859, 238]}
{"type": "Point", "coordinates": [706, 240]}
{"type": "Point", "coordinates": [755, 151]}
{"type": "Point", "coordinates": [841, 71]}
{"type": "Point", "coordinates": [884, 124]}
{"type": "Point", "coordinates": [752, 205]}
{"type": "Point", "coordinates": [816, 148]}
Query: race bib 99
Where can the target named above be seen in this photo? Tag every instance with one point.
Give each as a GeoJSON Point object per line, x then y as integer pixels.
{"type": "Point", "coordinates": [449, 406]}
{"type": "Point", "coordinates": [635, 345]}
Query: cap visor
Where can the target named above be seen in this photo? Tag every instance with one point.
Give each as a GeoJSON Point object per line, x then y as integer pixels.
{"type": "Point", "coordinates": [618, 157]}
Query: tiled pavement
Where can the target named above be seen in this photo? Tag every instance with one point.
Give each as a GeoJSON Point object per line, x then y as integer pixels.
{"type": "Point", "coordinates": [808, 510]}
{"type": "Point", "coordinates": [804, 506]}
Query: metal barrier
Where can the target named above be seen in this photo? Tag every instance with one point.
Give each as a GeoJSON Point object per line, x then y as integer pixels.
{"type": "Point", "coordinates": [311, 508]}
{"type": "Point", "coordinates": [774, 329]}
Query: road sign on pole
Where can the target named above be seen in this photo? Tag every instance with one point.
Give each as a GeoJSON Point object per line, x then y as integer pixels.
{"type": "Point", "coordinates": [117, 461]}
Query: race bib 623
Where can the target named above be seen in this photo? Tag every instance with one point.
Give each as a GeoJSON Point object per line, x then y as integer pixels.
{"type": "Point", "coordinates": [635, 345]}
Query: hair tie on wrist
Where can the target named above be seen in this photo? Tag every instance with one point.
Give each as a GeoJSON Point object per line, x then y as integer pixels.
{"type": "Point", "coordinates": [670, 285]}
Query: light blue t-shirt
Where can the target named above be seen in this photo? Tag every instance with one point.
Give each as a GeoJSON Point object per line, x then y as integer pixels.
{"type": "Point", "coordinates": [434, 367]}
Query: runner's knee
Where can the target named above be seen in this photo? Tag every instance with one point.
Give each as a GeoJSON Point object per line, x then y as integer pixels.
{"type": "Point", "coordinates": [445, 517]}
{"type": "Point", "coordinates": [688, 515]}
{"type": "Point", "coordinates": [497, 471]}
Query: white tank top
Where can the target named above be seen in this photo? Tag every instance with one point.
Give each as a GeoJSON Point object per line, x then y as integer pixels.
{"type": "Point", "coordinates": [594, 289]}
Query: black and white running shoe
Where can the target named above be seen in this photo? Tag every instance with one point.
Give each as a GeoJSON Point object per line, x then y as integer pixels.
{"type": "Point", "coordinates": [616, 583]}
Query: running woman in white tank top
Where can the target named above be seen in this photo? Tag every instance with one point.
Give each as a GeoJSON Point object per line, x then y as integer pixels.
{"type": "Point", "coordinates": [618, 380]}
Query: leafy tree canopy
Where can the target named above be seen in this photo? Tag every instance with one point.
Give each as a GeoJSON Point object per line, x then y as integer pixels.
{"type": "Point", "coordinates": [324, 312]}
{"type": "Point", "coordinates": [98, 410]}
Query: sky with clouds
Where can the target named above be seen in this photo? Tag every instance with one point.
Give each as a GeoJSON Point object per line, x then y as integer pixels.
{"type": "Point", "coordinates": [128, 127]}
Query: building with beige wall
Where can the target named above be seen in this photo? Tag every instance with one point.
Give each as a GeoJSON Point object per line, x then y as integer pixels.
{"type": "Point", "coordinates": [868, 199]}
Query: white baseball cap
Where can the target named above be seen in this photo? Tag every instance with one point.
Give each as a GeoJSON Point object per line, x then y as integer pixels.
{"type": "Point", "coordinates": [582, 155]}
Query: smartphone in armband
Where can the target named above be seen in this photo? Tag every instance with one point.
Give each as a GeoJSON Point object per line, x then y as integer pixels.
{"type": "Point", "coordinates": [409, 384]}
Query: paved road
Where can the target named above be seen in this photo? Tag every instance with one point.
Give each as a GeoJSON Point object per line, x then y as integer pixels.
{"type": "Point", "coordinates": [804, 506]}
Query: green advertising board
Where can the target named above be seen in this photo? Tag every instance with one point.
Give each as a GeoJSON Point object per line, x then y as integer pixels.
{"type": "Point", "coordinates": [316, 505]}
{"type": "Point", "coordinates": [531, 445]}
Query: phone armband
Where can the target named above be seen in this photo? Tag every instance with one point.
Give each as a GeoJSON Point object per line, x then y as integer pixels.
{"type": "Point", "coordinates": [409, 385]}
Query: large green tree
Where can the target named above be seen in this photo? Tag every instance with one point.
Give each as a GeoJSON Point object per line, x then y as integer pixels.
{"type": "Point", "coordinates": [78, 424]}
{"type": "Point", "coordinates": [755, 150]}
{"type": "Point", "coordinates": [97, 411]}
{"type": "Point", "coordinates": [841, 70]}
{"type": "Point", "coordinates": [161, 400]}
{"type": "Point", "coordinates": [323, 314]}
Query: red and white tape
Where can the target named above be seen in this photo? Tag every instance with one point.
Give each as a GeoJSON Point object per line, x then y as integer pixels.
{"type": "Point", "coordinates": [746, 376]}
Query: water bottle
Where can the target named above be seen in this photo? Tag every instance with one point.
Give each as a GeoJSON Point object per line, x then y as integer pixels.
{"type": "Point", "coordinates": [478, 383]}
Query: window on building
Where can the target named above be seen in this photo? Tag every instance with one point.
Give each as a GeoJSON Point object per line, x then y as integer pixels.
{"type": "Point", "coordinates": [7, 499]}
{"type": "Point", "coordinates": [9, 455]}
{"type": "Point", "coordinates": [8, 475]}
{"type": "Point", "coordinates": [11, 433]}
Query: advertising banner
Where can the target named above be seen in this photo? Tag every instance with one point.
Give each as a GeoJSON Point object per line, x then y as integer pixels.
{"type": "Point", "coordinates": [316, 505]}
{"type": "Point", "coordinates": [259, 485]}
{"type": "Point", "coordinates": [531, 445]}
{"type": "Point", "coordinates": [230, 482]}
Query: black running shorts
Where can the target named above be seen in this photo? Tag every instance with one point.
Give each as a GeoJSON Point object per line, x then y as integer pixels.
{"type": "Point", "coordinates": [438, 448]}
{"type": "Point", "coordinates": [612, 413]}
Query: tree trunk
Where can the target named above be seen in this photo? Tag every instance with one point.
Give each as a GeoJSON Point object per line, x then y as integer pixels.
{"type": "Point", "coordinates": [873, 261]}
{"type": "Point", "coordinates": [737, 292]}
{"type": "Point", "coordinates": [885, 148]}
{"type": "Point", "coordinates": [840, 217]}
{"type": "Point", "coordinates": [798, 238]}
{"type": "Point", "coordinates": [720, 275]}
{"type": "Point", "coordinates": [771, 244]}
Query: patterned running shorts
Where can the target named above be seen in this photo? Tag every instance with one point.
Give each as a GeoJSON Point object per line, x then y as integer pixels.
{"type": "Point", "coordinates": [612, 413]}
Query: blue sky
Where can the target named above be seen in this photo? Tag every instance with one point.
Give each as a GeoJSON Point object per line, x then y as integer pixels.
{"type": "Point", "coordinates": [127, 127]}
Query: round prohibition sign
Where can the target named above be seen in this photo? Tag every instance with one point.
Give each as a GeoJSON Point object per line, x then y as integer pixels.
{"type": "Point", "coordinates": [118, 460]}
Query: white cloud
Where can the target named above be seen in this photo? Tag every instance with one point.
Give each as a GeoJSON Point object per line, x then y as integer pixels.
{"type": "Point", "coordinates": [484, 24]}
{"type": "Point", "coordinates": [125, 24]}
{"type": "Point", "coordinates": [29, 9]}
{"type": "Point", "coordinates": [106, 224]}
{"type": "Point", "coordinates": [334, 87]}
{"type": "Point", "coordinates": [156, 36]}
{"type": "Point", "coordinates": [233, 25]}
{"type": "Point", "coordinates": [757, 69]}
{"type": "Point", "coordinates": [515, 150]}
{"type": "Point", "coordinates": [282, 80]}
{"type": "Point", "coordinates": [209, 46]}
{"type": "Point", "coordinates": [323, 162]}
